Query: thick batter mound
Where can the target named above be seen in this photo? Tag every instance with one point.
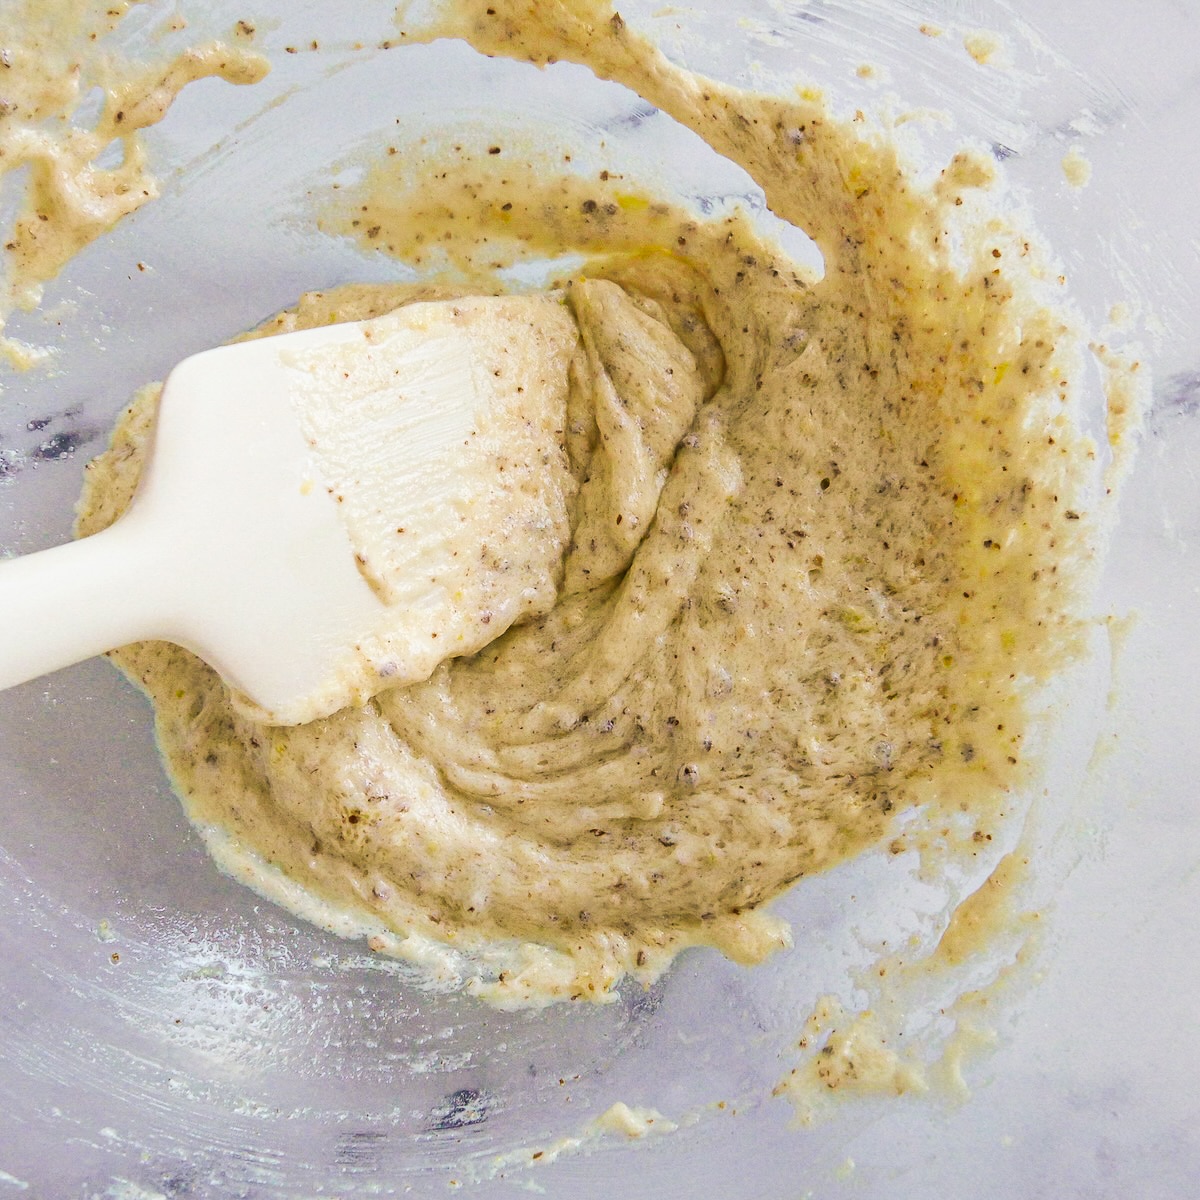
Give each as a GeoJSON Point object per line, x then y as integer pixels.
{"type": "Point", "coordinates": [824, 534]}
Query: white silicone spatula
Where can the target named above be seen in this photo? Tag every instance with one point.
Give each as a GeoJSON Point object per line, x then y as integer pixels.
{"type": "Point", "coordinates": [293, 522]}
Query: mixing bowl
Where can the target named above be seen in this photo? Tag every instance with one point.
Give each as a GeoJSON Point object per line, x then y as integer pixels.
{"type": "Point", "coordinates": [167, 1033]}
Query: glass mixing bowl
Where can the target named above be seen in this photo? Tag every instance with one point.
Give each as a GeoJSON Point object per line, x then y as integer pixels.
{"type": "Point", "coordinates": [166, 1033]}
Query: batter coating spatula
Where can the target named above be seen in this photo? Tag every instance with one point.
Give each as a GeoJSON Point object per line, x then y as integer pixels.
{"type": "Point", "coordinates": [320, 511]}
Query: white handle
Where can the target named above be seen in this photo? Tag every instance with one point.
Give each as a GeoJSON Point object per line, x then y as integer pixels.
{"type": "Point", "coordinates": [62, 605]}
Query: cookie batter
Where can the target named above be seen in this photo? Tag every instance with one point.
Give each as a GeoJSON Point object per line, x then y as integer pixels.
{"type": "Point", "coordinates": [825, 539]}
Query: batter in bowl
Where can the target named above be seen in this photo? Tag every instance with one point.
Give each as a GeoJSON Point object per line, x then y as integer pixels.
{"type": "Point", "coordinates": [827, 536]}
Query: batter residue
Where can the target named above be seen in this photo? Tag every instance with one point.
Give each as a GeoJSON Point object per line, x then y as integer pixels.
{"type": "Point", "coordinates": [52, 55]}
{"type": "Point", "coordinates": [825, 540]}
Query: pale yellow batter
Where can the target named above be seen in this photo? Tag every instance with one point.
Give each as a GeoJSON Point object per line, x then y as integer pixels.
{"type": "Point", "coordinates": [825, 540]}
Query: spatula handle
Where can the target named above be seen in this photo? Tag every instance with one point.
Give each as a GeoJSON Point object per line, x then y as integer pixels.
{"type": "Point", "coordinates": [66, 604]}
